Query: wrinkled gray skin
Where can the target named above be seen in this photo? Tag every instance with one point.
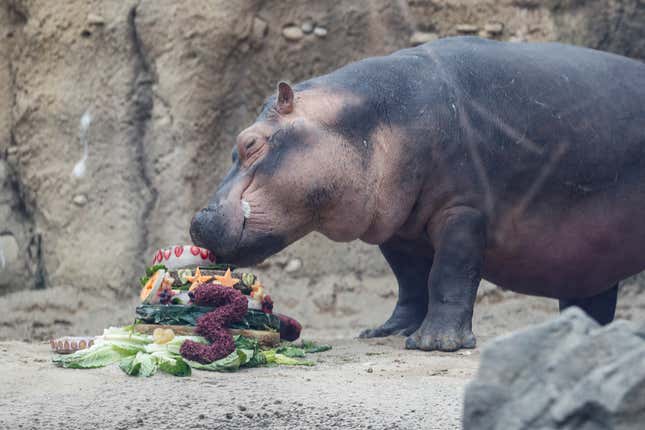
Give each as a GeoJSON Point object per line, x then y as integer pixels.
{"type": "Point", "coordinates": [523, 164]}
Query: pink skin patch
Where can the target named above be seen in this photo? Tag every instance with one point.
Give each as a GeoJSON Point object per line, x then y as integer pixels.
{"type": "Point", "coordinates": [167, 253]}
{"type": "Point", "coordinates": [194, 250]}
{"type": "Point", "coordinates": [178, 251]}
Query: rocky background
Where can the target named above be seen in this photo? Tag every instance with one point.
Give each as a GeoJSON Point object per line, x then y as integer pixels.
{"type": "Point", "coordinates": [163, 88]}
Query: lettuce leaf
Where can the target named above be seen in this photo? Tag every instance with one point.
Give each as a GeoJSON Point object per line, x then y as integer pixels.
{"type": "Point", "coordinates": [173, 364]}
{"type": "Point", "coordinates": [120, 334]}
{"type": "Point", "coordinates": [311, 347]}
{"type": "Point", "coordinates": [230, 363]}
{"type": "Point", "coordinates": [127, 365]}
{"type": "Point", "coordinates": [242, 342]}
{"type": "Point", "coordinates": [257, 360]}
{"type": "Point", "coordinates": [115, 344]}
{"type": "Point", "coordinates": [291, 351]}
{"type": "Point", "coordinates": [95, 356]}
{"type": "Point", "coordinates": [273, 357]}
{"type": "Point", "coordinates": [251, 349]}
{"type": "Point", "coordinates": [142, 364]}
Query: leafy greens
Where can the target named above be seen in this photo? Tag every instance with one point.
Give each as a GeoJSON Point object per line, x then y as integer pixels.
{"type": "Point", "coordinates": [137, 355]}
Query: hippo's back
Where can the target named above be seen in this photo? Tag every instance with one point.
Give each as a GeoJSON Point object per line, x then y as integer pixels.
{"type": "Point", "coordinates": [580, 113]}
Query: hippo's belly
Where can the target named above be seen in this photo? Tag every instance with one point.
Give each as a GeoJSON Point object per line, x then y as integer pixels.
{"type": "Point", "coordinates": [573, 251]}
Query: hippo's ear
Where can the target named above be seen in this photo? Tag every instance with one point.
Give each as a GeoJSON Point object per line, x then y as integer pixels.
{"type": "Point", "coordinates": [284, 102]}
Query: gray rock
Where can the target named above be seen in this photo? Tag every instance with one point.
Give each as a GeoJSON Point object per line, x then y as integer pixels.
{"type": "Point", "coordinates": [467, 29]}
{"type": "Point", "coordinates": [260, 28]}
{"type": "Point", "coordinates": [307, 26]}
{"type": "Point", "coordinates": [80, 200]}
{"type": "Point", "coordinates": [421, 37]}
{"type": "Point", "coordinates": [292, 33]}
{"type": "Point", "coordinates": [94, 19]}
{"type": "Point", "coordinates": [494, 28]}
{"type": "Point", "coordinates": [320, 31]}
{"type": "Point", "coordinates": [567, 373]}
{"type": "Point", "coordinates": [294, 265]}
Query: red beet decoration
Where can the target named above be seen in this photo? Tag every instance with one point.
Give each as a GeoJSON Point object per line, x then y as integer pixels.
{"type": "Point", "coordinates": [231, 306]}
{"type": "Point", "coordinates": [289, 328]}
{"type": "Point", "coordinates": [267, 305]}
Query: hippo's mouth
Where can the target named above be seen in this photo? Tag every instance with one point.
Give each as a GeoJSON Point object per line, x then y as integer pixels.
{"type": "Point", "coordinates": [256, 240]}
{"type": "Point", "coordinates": [255, 248]}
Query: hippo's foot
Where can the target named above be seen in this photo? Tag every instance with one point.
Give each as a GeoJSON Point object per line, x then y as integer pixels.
{"type": "Point", "coordinates": [403, 322]}
{"type": "Point", "coordinates": [438, 337]}
{"type": "Point", "coordinates": [390, 328]}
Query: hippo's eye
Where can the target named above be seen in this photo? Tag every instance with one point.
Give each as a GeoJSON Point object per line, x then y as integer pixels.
{"type": "Point", "coordinates": [250, 149]}
{"type": "Point", "coordinates": [249, 145]}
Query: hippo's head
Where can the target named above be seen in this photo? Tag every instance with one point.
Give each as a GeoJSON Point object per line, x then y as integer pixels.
{"type": "Point", "coordinates": [292, 173]}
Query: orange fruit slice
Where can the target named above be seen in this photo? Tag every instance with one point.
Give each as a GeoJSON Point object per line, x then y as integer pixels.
{"type": "Point", "coordinates": [152, 286]}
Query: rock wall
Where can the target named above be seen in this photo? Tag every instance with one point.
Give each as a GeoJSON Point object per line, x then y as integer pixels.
{"type": "Point", "coordinates": [20, 254]}
{"type": "Point", "coordinates": [165, 86]}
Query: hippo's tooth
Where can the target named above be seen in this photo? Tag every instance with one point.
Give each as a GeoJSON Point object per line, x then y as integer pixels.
{"type": "Point", "coordinates": [246, 209]}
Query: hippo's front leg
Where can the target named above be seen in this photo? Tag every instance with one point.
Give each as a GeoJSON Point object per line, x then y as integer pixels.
{"type": "Point", "coordinates": [459, 240]}
{"type": "Point", "coordinates": [411, 271]}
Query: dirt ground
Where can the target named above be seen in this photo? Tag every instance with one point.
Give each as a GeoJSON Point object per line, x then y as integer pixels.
{"type": "Point", "coordinates": [358, 384]}
{"type": "Point", "coordinates": [373, 384]}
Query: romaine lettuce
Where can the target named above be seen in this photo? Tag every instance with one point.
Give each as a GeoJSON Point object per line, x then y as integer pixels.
{"type": "Point", "coordinates": [273, 357]}
{"type": "Point", "coordinates": [95, 356]}
{"type": "Point", "coordinates": [230, 363]}
{"type": "Point", "coordinates": [141, 364]}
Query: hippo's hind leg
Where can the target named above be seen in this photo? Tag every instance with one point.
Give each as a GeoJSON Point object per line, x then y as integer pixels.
{"type": "Point", "coordinates": [459, 240]}
{"type": "Point", "coordinates": [601, 307]}
{"type": "Point", "coordinates": [411, 273]}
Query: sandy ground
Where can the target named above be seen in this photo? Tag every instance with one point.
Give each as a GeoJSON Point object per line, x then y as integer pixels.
{"type": "Point", "coordinates": [359, 384]}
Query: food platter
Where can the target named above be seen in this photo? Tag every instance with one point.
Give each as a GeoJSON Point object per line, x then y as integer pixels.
{"type": "Point", "coordinates": [193, 314]}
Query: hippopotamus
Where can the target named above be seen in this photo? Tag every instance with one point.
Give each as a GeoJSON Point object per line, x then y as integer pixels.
{"type": "Point", "coordinates": [462, 159]}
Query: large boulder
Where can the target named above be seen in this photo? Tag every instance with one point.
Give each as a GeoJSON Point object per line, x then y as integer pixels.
{"type": "Point", "coordinates": [567, 373]}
